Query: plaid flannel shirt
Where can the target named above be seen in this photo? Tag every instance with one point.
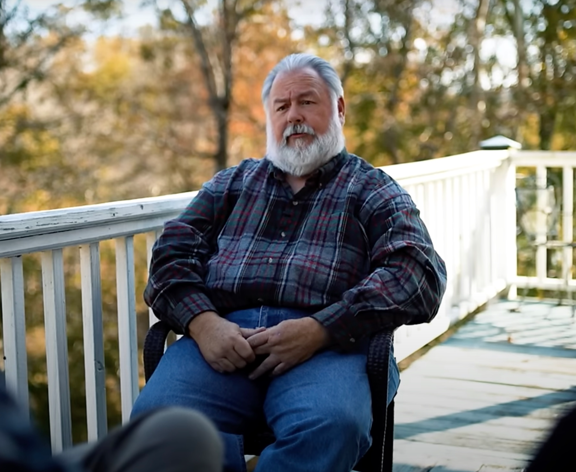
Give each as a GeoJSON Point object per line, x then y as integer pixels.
{"type": "Point", "coordinates": [350, 248]}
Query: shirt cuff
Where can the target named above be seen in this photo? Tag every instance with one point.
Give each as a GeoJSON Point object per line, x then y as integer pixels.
{"type": "Point", "coordinates": [341, 324]}
{"type": "Point", "coordinates": [188, 308]}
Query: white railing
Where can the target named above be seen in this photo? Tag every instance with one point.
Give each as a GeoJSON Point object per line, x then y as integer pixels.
{"type": "Point", "coordinates": [48, 233]}
{"type": "Point", "coordinates": [467, 202]}
{"type": "Point", "coordinates": [540, 163]}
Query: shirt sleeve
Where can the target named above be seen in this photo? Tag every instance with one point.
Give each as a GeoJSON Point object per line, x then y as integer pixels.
{"type": "Point", "coordinates": [176, 291]}
{"type": "Point", "coordinates": [407, 281]}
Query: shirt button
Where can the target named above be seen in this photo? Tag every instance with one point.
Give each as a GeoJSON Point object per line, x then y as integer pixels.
{"type": "Point", "coordinates": [352, 340]}
{"type": "Point", "coordinates": [283, 234]}
{"type": "Point", "coordinates": [260, 300]}
{"type": "Point", "coordinates": [270, 261]}
{"type": "Point", "coordinates": [294, 203]}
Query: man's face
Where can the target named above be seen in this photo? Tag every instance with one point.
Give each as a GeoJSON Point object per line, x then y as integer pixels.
{"type": "Point", "coordinates": [301, 98]}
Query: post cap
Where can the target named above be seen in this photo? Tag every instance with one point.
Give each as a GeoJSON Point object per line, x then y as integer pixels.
{"type": "Point", "coordinates": [500, 142]}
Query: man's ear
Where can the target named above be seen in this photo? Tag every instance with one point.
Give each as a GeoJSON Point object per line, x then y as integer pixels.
{"type": "Point", "coordinates": [341, 110]}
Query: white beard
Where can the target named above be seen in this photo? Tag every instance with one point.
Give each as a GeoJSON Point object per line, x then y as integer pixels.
{"type": "Point", "coordinates": [302, 159]}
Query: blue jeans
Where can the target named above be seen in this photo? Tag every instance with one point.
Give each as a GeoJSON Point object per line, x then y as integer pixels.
{"type": "Point", "coordinates": [319, 411]}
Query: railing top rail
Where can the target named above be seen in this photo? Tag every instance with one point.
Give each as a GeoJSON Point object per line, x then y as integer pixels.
{"type": "Point", "coordinates": [546, 158]}
{"type": "Point", "coordinates": [436, 168]}
{"type": "Point", "coordinates": [53, 221]}
{"type": "Point", "coordinates": [27, 232]}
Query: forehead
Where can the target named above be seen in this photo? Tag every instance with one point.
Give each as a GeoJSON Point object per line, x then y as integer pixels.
{"type": "Point", "coordinates": [298, 82]}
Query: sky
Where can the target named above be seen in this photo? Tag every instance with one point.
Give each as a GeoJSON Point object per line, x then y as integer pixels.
{"type": "Point", "coordinates": [303, 12]}
{"type": "Point", "coordinates": [136, 16]}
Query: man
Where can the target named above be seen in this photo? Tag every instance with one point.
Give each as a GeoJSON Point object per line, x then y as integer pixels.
{"type": "Point", "coordinates": [278, 272]}
{"type": "Point", "coordinates": [147, 443]}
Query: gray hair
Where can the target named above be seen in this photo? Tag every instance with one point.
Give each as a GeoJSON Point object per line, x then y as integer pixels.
{"type": "Point", "coordinates": [305, 61]}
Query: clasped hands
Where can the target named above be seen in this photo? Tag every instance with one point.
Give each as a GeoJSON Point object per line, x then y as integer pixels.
{"type": "Point", "coordinates": [227, 347]}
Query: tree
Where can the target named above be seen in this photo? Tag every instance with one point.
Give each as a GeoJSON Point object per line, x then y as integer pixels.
{"type": "Point", "coordinates": [27, 44]}
{"type": "Point", "coordinates": [546, 68]}
{"type": "Point", "coordinates": [215, 44]}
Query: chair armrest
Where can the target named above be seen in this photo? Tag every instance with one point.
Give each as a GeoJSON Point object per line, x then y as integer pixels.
{"type": "Point", "coordinates": [154, 347]}
{"type": "Point", "coordinates": [379, 456]}
{"type": "Point", "coordinates": [378, 360]}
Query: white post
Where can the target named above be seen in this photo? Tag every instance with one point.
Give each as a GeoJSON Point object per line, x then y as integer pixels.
{"type": "Point", "coordinates": [14, 329]}
{"type": "Point", "coordinates": [127, 339]}
{"type": "Point", "coordinates": [509, 225]}
{"type": "Point", "coordinates": [541, 225]}
{"type": "Point", "coordinates": [567, 223]}
{"type": "Point", "coordinates": [56, 350]}
{"type": "Point", "coordinates": [456, 248]}
{"type": "Point", "coordinates": [93, 341]}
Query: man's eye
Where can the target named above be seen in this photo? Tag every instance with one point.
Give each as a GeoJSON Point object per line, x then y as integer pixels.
{"type": "Point", "coordinates": [281, 108]}
{"type": "Point", "coordinates": [307, 102]}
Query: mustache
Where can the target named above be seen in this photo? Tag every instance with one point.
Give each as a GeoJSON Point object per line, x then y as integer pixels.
{"type": "Point", "coordinates": [297, 129]}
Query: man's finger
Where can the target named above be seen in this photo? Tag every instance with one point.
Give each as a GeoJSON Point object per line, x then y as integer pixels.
{"type": "Point", "coordinates": [247, 332]}
{"type": "Point", "coordinates": [258, 339]}
{"type": "Point", "coordinates": [264, 349]}
{"type": "Point", "coordinates": [226, 365]}
{"type": "Point", "coordinates": [268, 364]}
{"type": "Point", "coordinates": [235, 358]}
{"type": "Point", "coordinates": [244, 350]}
{"type": "Point", "coordinates": [280, 369]}
{"type": "Point", "coordinates": [216, 367]}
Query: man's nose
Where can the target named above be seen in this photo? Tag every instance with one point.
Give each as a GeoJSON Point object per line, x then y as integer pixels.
{"type": "Point", "coordinates": [294, 115]}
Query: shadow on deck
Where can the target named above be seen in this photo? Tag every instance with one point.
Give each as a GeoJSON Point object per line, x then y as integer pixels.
{"type": "Point", "coordinates": [483, 399]}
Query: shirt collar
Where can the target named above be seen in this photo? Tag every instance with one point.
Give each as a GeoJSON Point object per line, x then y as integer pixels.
{"type": "Point", "coordinates": [322, 175]}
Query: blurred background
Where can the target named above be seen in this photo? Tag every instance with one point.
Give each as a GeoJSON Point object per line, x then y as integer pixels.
{"type": "Point", "coordinates": [104, 100]}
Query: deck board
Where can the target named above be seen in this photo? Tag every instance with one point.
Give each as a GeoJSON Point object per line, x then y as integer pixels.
{"type": "Point", "coordinates": [483, 400]}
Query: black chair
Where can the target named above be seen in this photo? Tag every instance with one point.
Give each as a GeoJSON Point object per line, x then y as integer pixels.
{"type": "Point", "coordinates": [379, 456]}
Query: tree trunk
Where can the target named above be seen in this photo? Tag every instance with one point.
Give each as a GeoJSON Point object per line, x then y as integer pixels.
{"type": "Point", "coordinates": [217, 72]}
{"type": "Point", "coordinates": [221, 155]}
{"type": "Point", "coordinates": [547, 125]}
{"type": "Point", "coordinates": [521, 94]}
{"type": "Point", "coordinates": [476, 111]}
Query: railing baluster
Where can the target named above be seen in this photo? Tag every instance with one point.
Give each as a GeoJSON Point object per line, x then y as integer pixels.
{"type": "Point", "coordinates": [456, 247]}
{"type": "Point", "coordinates": [474, 219]}
{"type": "Point", "coordinates": [448, 241]}
{"type": "Point", "coordinates": [14, 327]}
{"type": "Point", "coordinates": [507, 194]}
{"type": "Point", "coordinates": [432, 213]}
{"type": "Point", "coordinates": [483, 255]}
{"type": "Point", "coordinates": [151, 238]}
{"type": "Point", "coordinates": [127, 339]}
{"type": "Point", "coordinates": [488, 229]}
{"type": "Point", "coordinates": [56, 349]}
{"type": "Point", "coordinates": [496, 236]}
{"type": "Point", "coordinates": [568, 219]}
{"type": "Point", "coordinates": [541, 224]}
{"type": "Point", "coordinates": [465, 231]}
{"type": "Point", "coordinates": [93, 341]}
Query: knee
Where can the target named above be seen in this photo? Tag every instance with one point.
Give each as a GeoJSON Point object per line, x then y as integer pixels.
{"type": "Point", "coordinates": [354, 425]}
{"type": "Point", "coordinates": [148, 401]}
{"type": "Point", "coordinates": [185, 434]}
{"type": "Point", "coordinates": [184, 424]}
{"type": "Point", "coordinates": [342, 423]}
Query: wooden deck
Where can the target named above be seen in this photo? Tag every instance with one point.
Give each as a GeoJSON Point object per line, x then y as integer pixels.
{"type": "Point", "coordinates": [482, 400]}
